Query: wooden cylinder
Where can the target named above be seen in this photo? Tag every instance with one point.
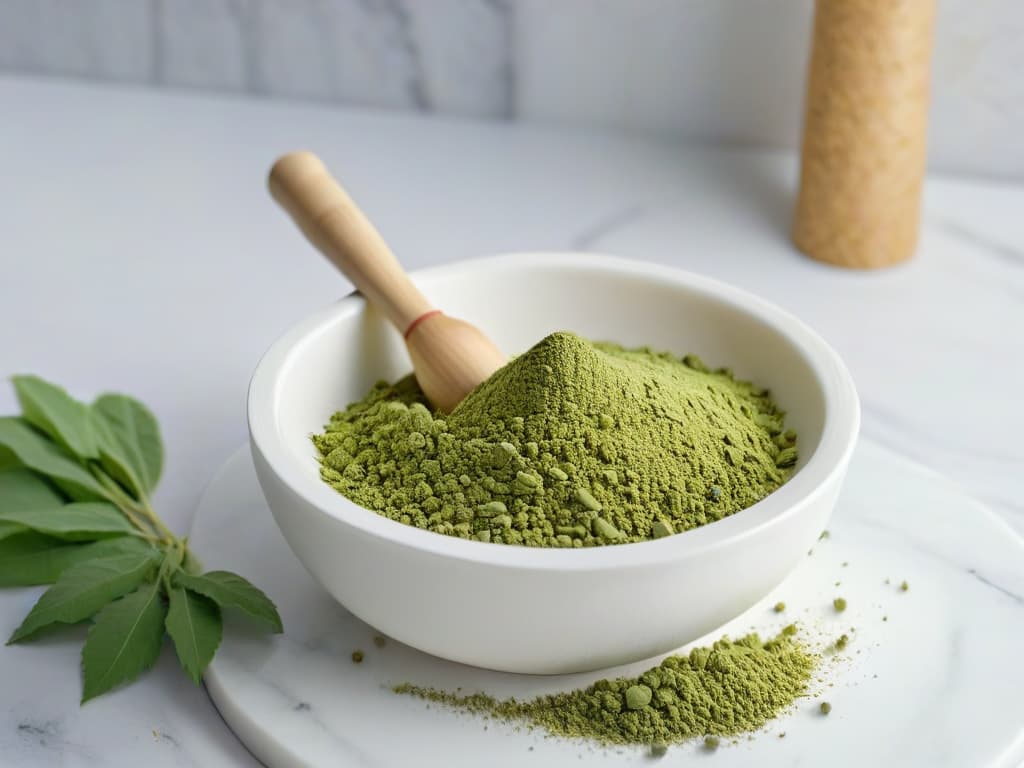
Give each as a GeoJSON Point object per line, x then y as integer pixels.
{"type": "Point", "coordinates": [865, 125]}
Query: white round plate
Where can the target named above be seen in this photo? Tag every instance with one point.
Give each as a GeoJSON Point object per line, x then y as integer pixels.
{"type": "Point", "coordinates": [928, 679]}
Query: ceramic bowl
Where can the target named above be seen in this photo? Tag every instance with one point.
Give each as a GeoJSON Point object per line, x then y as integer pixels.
{"type": "Point", "coordinates": [538, 610]}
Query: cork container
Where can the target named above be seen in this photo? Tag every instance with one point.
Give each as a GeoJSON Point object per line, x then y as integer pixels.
{"type": "Point", "coordinates": [865, 125]}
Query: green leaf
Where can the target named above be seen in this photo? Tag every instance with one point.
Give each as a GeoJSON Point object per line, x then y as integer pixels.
{"type": "Point", "coordinates": [190, 563]}
{"type": "Point", "coordinates": [30, 558]}
{"type": "Point", "coordinates": [7, 459]}
{"type": "Point", "coordinates": [51, 409]}
{"type": "Point", "coordinates": [195, 626]}
{"type": "Point", "coordinates": [230, 589]}
{"type": "Point", "coordinates": [113, 461]}
{"type": "Point", "coordinates": [83, 589]}
{"type": "Point", "coordinates": [22, 490]}
{"type": "Point", "coordinates": [28, 501]}
{"type": "Point", "coordinates": [130, 444]}
{"type": "Point", "coordinates": [124, 641]}
{"type": "Point", "coordinates": [80, 521]}
{"type": "Point", "coordinates": [36, 452]}
{"type": "Point", "coordinates": [9, 529]}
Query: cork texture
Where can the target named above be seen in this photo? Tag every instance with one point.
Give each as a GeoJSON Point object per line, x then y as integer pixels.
{"type": "Point", "coordinates": [865, 132]}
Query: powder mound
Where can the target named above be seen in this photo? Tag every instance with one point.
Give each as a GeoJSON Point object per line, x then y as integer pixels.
{"type": "Point", "coordinates": [730, 688]}
{"type": "Point", "coordinates": [571, 444]}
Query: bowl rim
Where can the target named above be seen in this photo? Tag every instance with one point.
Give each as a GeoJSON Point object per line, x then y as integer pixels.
{"type": "Point", "coordinates": [826, 464]}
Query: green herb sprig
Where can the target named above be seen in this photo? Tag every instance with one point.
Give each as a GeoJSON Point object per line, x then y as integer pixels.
{"type": "Point", "coordinates": [75, 512]}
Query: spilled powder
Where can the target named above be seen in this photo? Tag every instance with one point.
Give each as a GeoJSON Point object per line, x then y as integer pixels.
{"type": "Point", "coordinates": [571, 444]}
{"type": "Point", "coordinates": [729, 688]}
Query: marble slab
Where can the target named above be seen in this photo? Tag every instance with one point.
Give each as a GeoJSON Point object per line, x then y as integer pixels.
{"type": "Point", "coordinates": [179, 254]}
{"type": "Point", "coordinates": [927, 679]}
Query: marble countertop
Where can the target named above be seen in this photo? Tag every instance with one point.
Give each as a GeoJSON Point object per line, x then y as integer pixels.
{"type": "Point", "coordinates": [141, 251]}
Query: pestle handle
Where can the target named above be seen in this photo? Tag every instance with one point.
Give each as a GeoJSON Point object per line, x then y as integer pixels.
{"type": "Point", "coordinates": [325, 213]}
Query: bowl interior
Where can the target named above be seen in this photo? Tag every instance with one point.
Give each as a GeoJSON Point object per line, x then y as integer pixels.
{"type": "Point", "coordinates": [338, 355]}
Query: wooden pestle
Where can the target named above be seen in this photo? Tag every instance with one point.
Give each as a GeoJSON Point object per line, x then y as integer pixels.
{"type": "Point", "coordinates": [450, 357]}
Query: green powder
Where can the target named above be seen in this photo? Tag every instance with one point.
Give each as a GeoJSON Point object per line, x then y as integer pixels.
{"type": "Point", "coordinates": [732, 687]}
{"type": "Point", "coordinates": [571, 444]}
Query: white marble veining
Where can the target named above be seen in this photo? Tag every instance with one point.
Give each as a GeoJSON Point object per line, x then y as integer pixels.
{"type": "Point", "coordinates": [145, 254]}
{"type": "Point", "coordinates": [733, 72]}
{"type": "Point", "coordinates": [445, 56]}
{"type": "Point", "coordinates": [717, 72]}
{"type": "Point", "coordinates": [917, 666]}
{"type": "Point", "coordinates": [103, 39]}
{"type": "Point", "coordinates": [729, 72]}
{"type": "Point", "coordinates": [216, 53]}
{"type": "Point", "coordinates": [977, 105]}
{"type": "Point", "coordinates": [466, 53]}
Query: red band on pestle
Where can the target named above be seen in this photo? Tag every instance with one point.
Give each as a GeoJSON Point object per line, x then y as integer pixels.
{"type": "Point", "coordinates": [418, 320]}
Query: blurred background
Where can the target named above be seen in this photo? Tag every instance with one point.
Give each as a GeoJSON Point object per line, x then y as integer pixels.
{"type": "Point", "coordinates": [677, 70]}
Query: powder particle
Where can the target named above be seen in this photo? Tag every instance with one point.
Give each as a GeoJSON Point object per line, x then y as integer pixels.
{"type": "Point", "coordinates": [357, 657]}
{"type": "Point", "coordinates": [662, 528]}
{"type": "Point", "coordinates": [779, 607]}
{"type": "Point", "coordinates": [824, 535]}
{"type": "Point", "coordinates": [729, 688]}
{"type": "Point", "coordinates": [380, 641]}
{"type": "Point", "coordinates": [842, 642]}
{"type": "Point", "coordinates": [904, 586]}
{"type": "Point", "coordinates": [638, 696]}
{"type": "Point", "coordinates": [658, 750]}
{"type": "Point", "coordinates": [825, 708]}
{"type": "Point", "coordinates": [789, 630]}
{"type": "Point", "coordinates": [839, 604]}
{"type": "Point", "coordinates": [571, 444]}
{"type": "Point", "coordinates": [711, 742]}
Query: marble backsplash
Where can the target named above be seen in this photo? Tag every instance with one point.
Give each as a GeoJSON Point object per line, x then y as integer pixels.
{"type": "Point", "coordinates": [724, 71]}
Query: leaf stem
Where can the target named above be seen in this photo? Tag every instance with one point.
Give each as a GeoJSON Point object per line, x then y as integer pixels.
{"type": "Point", "coordinates": [155, 530]}
{"type": "Point", "coordinates": [189, 562]}
{"type": "Point", "coordinates": [172, 561]}
{"type": "Point", "coordinates": [126, 506]}
{"type": "Point", "coordinates": [146, 509]}
{"type": "Point", "coordinates": [152, 538]}
{"type": "Point", "coordinates": [149, 524]}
